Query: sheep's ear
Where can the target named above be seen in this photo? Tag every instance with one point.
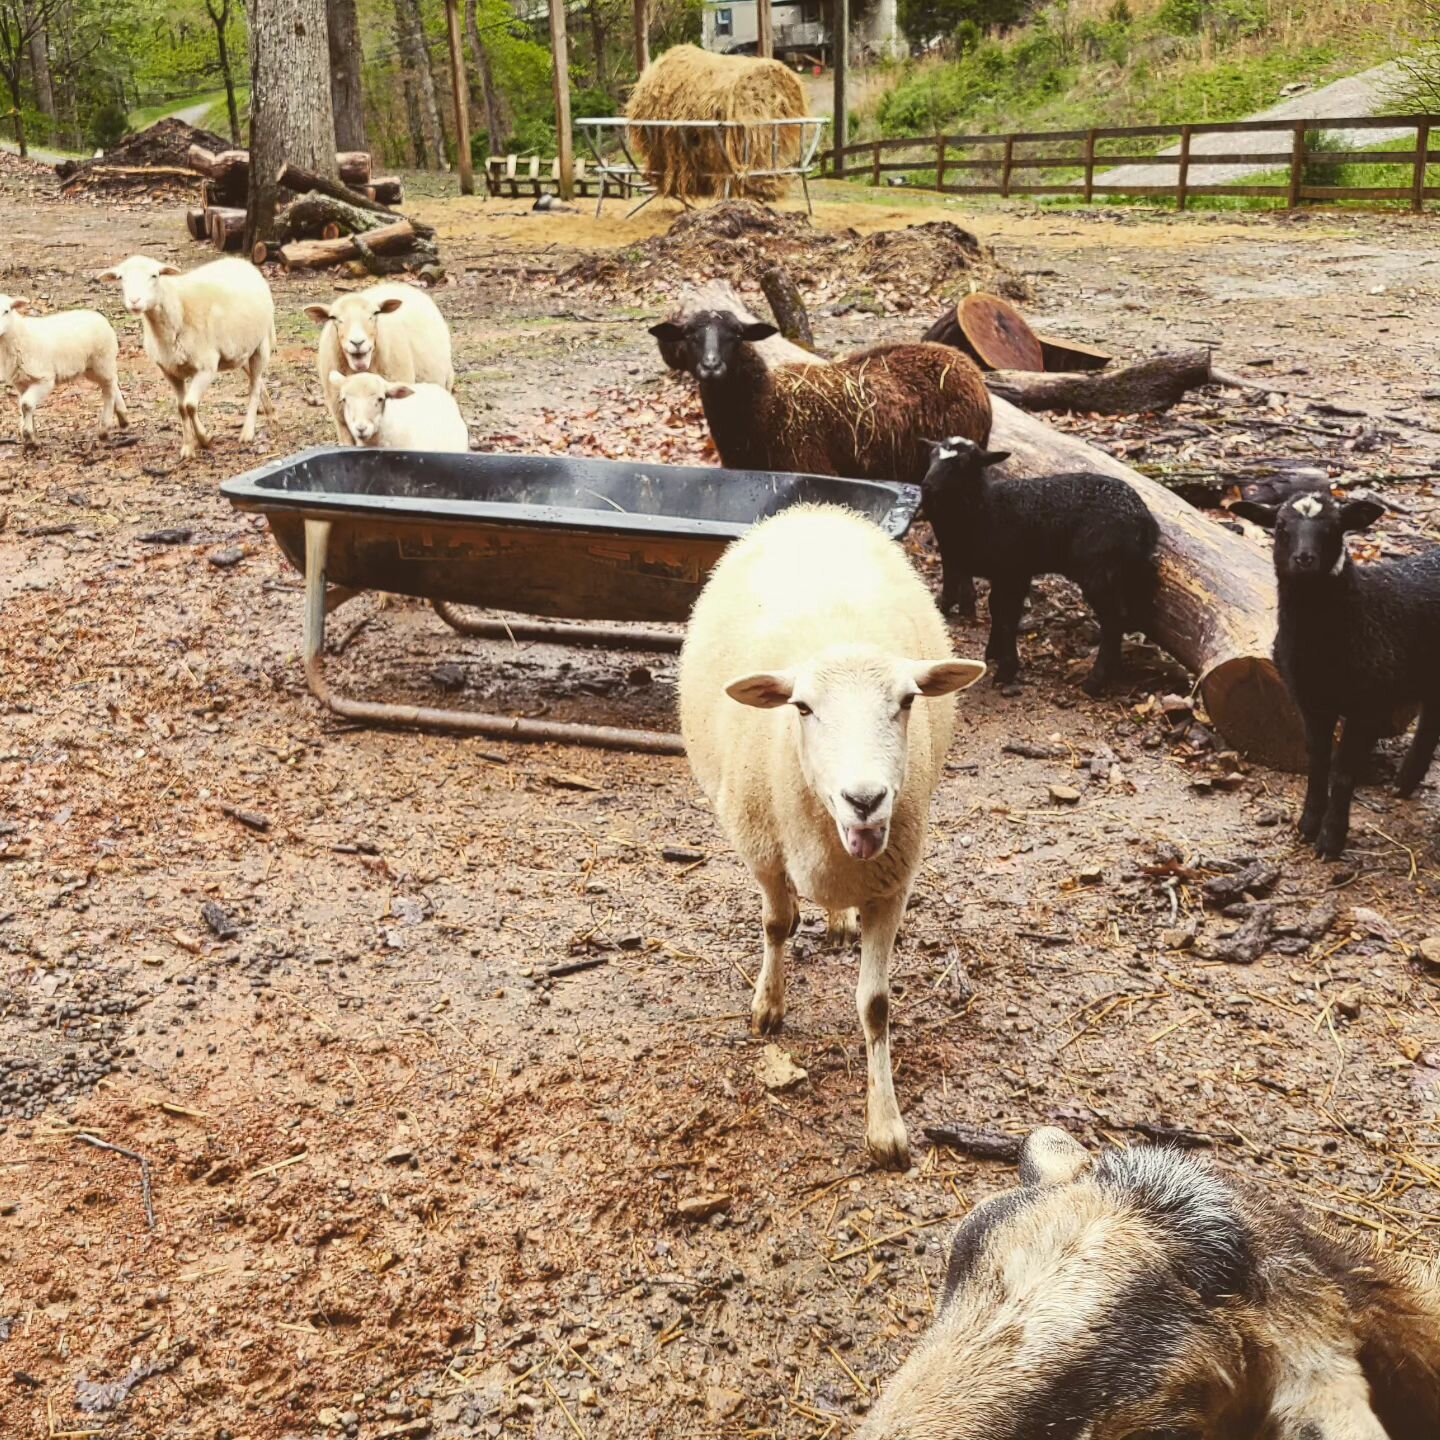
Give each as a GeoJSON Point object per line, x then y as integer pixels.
{"type": "Point", "coordinates": [757, 330]}
{"type": "Point", "coordinates": [668, 331]}
{"type": "Point", "coordinates": [1360, 514]}
{"type": "Point", "coordinates": [318, 313]}
{"type": "Point", "coordinates": [390, 306]}
{"type": "Point", "coordinates": [111, 274]}
{"type": "Point", "coordinates": [1339, 1405]}
{"type": "Point", "coordinates": [169, 270]}
{"type": "Point", "coordinates": [945, 677]}
{"type": "Point", "coordinates": [765, 690]}
{"type": "Point", "coordinates": [336, 379]}
{"type": "Point", "coordinates": [1256, 511]}
{"type": "Point", "coordinates": [1051, 1157]}
{"type": "Point", "coordinates": [21, 305]}
{"type": "Point", "coordinates": [994, 457]}
{"type": "Point", "coordinates": [399, 392]}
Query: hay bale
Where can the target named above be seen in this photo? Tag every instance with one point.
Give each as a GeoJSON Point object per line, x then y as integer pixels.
{"type": "Point", "coordinates": [687, 83]}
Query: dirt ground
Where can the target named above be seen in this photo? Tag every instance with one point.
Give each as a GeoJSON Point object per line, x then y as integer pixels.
{"type": "Point", "coordinates": [406, 1183]}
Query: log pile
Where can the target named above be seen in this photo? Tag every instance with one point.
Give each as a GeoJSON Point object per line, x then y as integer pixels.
{"type": "Point", "coordinates": [330, 222]}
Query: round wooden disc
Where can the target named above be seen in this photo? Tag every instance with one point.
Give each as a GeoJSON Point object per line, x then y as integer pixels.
{"type": "Point", "coordinates": [998, 334]}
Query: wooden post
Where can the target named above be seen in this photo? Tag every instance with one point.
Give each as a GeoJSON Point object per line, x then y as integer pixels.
{"type": "Point", "coordinates": [561, 52]}
{"type": "Point", "coordinates": [642, 35]}
{"type": "Point", "coordinates": [940, 162]}
{"type": "Point", "coordinates": [462, 109]}
{"type": "Point", "coordinates": [840, 59]}
{"type": "Point", "coordinates": [764, 30]}
{"type": "Point", "coordinates": [1422, 159]}
{"type": "Point", "coordinates": [875, 165]}
{"type": "Point", "coordinates": [1009, 161]}
{"type": "Point", "coordinates": [1297, 163]}
{"type": "Point", "coordinates": [1089, 166]}
{"type": "Point", "coordinates": [1182, 185]}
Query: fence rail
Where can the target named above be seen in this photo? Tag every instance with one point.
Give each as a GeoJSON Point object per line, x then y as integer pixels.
{"type": "Point", "coordinates": [997, 170]}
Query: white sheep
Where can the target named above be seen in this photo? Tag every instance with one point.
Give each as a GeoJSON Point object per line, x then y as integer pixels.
{"type": "Point", "coordinates": [390, 329]}
{"type": "Point", "coordinates": [821, 775]}
{"type": "Point", "coordinates": [38, 352]}
{"type": "Point", "coordinates": [385, 415]}
{"type": "Point", "coordinates": [216, 317]}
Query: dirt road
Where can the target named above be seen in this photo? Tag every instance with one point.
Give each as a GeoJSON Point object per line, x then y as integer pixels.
{"type": "Point", "coordinates": [406, 1182]}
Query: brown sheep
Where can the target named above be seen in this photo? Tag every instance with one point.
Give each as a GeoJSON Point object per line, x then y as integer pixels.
{"type": "Point", "coordinates": [1143, 1294]}
{"type": "Point", "coordinates": [866, 416]}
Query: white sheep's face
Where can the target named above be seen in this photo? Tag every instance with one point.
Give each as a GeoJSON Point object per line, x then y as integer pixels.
{"type": "Point", "coordinates": [355, 318]}
{"type": "Point", "coordinates": [362, 402]}
{"type": "Point", "coordinates": [139, 278]}
{"type": "Point", "coordinates": [852, 719]}
{"type": "Point", "coordinates": [9, 308]}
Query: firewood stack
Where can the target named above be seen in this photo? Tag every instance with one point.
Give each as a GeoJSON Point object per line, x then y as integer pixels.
{"type": "Point", "coordinates": [329, 223]}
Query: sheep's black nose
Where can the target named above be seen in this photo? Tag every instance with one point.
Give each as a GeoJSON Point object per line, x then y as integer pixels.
{"type": "Point", "coordinates": [865, 802]}
{"type": "Point", "coordinates": [1305, 560]}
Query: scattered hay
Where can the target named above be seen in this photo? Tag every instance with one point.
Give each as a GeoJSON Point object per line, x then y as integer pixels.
{"type": "Point", "coordinates": [887, 272]}
{"type": "Point", "coordinates": [687, 83]}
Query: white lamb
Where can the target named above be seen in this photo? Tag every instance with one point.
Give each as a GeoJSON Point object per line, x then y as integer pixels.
{"type": "Point", "coordinates": [216, 317]}
{"type": "Point", "coordinates": [390, 329]}
{"type": "Point", "coordinates": [388, 416]}
{"type": "Point", "coordinates": [821, 775]}
{"type": "Point", "coordinates": [38, 352]}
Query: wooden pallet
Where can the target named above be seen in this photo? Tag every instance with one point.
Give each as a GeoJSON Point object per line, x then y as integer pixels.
{"type": "Point", "coordinates": [516, 175]}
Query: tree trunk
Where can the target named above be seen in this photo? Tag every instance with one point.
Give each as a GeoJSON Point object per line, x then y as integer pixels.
{"type": "Point", "coordinates": [642, 35]}
{"type": "Point", "coordinates": [347, 98]}
{"type": "Point", "coordinates": [460, 97]}
{"type": "Point", "coordinates": [39, 47]}
{"type": "Point", "coordinates": [394, 239]}
{"type": "Point", "coordinates": [1215, 606]}
{"type": "Point", "coordinates": [764, 30]}
{"type": "Point", "coordinates": [497, 126]}
{"type": "Point", "coordinates": [560, 80]}
{"type": "Point", "coordinates": [597, 42]}
{"type": "Point", "coordinates": [419, 86]}
{"type": "Point", "coordinates": [1154, 384]}
{"type": "Point", "coordinates": [232, 109]}
{"type": "Point", "coordinates": [290, 119]}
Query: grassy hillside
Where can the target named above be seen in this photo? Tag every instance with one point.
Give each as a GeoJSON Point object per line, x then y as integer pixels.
{"type": "Point", "coordinates": [1115, 62]}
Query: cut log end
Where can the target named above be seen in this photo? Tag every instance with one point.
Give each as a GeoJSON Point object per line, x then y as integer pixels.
{"type": "Point", "coordinates": [1259, 718]}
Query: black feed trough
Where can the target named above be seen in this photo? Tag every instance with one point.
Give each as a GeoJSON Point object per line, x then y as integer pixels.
{"type": "Point", "coordinates": [568, 539]}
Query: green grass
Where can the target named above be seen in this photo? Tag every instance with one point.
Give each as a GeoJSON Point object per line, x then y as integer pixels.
{"type": "Point", "coordinates": [149, 114]}
{"type": "Point", "coordinates": [217, 117]}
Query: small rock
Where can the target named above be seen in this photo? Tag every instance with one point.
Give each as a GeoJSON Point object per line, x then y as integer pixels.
{"type": "Point", "coordinates": [776, 1069]}
{"type": "Point", "coordinates": [400, 1155]}
{"type": "Point", "coordinates": [1091, 875]}
{"type": "Point", "coordinates": [1347, 1003]}
{"type": "Point", "coordinates": [702, 1207]}
{"type": "Point", "coordinates": [221, 926]}
{"type": "Point", "coordinates": [224, 559]}
{"type": "Point", "coordinates": [329, 1417]}
{"type": "Point", "coordinates": [1372, 922]}
{"type": "Point", "coordinates": [1182, 937]}
{"type": "Point", "coordinates": [722, 1403]}
{"type": "Point", "coordinates": [1429, 951]}
{"type": "Point", "coordinates": [1064, 795]}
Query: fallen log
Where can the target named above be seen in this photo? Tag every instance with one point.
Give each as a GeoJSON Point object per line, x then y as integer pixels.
{"type": "Point", "coordinates": [196, 223]}
{"type": "Point", "coordinates": [1154, 384]}
{"type": "Point", "coordinates": [128, 172]}
{"type": "Point", "coordinates": [787, 305]}
{"type": "Point", "coordinates": [226, 227]}
{"type": "Point", "coordinates": [306, 217]}
{"type": "Point", "coordinates": [302, 181]}
{"type": "Point", "coordinates": [388, 190]}
{"type": "Point", "coordinates": [353, 166]}
{"type": "Point", "coordinates": [394, 239]}
{"type": "Point", "coordinates": [1215, 608]}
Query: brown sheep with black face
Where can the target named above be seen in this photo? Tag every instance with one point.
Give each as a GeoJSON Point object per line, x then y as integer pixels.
{"type": "Point", "coordinates": [1143, 1296]}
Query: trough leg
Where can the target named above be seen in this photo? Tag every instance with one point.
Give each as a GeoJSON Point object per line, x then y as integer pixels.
{"type": "Point", "coordinates": [884, 1129]}
{"type": "Point", "coordinates": [317, 545]}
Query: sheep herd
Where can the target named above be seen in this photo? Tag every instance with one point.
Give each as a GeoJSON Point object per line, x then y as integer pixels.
{"type": "Point", "coordinates": [221, 316]}
{"type": "Point", "coordinates": [1137, 1294]}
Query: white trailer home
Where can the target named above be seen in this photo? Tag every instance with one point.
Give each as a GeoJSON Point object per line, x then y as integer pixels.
{"type": "Point", "coordinates": [802, 30]}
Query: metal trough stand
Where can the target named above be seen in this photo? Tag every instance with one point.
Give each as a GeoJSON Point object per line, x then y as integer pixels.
{"type": "Point", "coordinates": [320, 599]}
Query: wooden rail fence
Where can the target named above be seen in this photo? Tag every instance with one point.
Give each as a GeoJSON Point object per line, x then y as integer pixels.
{"type": "Point", "coordinates": [1006, 154]}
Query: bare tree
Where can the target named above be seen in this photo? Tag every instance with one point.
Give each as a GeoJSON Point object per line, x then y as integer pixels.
{"type": "Point", "coordinates": [219, 13]}
{"type": "Point", "coordinates": [20, 22]}
{"type": "Point", "coordinates": [420, 99]}
{"type": "Point", "coordinates": [290, 118]}
{"type": "Point", "coordinates": [347, 98]}
{"type": "Point", "coordinates": [1417, 86]}
{"type": "Point", "coordinates": [497, 123]}
{"type": "Point", "coordinates": [40, 66]}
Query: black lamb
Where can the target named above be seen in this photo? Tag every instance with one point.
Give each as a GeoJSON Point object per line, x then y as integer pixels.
{"type": "Point", "coordinates": [1092, 529]}
{"type": "Point", "coordinates": [1354, 642]}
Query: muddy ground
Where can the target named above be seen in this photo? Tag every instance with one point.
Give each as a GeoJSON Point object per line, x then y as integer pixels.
{"type": "Point", "coordinates": [403, 1181]}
